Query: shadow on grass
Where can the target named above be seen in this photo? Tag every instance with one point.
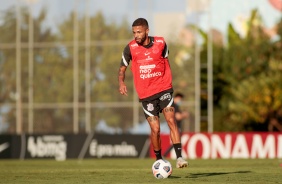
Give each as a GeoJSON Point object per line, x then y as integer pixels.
{"type": "Point", "coordinates": [174, 177]}
{"type": "Point", "coordinates": [198, 175]}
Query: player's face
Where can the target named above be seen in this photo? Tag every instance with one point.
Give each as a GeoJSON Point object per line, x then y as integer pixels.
{"type": "Point", "coordinates": [140, 34]}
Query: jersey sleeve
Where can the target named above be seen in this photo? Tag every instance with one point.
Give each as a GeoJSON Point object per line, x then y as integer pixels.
{"type": "Point", "coordinates": [165, 51]}
{"type": "Point", "coordinates": [126, 56]}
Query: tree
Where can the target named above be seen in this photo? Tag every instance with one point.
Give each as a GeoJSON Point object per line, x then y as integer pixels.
{"type": "Point", "coordinates": [252, 87]}
{"type": "Point", "coordinates": [107, 43]}
{"type": "Point", "coordinates": [41, 34]}
{"type": "Point", "coordinates": [259, 99]}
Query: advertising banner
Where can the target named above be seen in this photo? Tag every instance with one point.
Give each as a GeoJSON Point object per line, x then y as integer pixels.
{"type": "Point", "coordinates": [194, 146]}
{"type": "Point", "coordinates": [63, 146]}
{"type": "Point", "coordinates": [226, 145]}
{"type": "Point", "coordinates": [126, 146]}
{"type": "Point", "coordinates": [5, 146]}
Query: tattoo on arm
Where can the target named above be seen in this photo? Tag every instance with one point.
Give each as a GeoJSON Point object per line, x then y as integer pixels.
{"type": "Point", "coordinates": [121, 74]}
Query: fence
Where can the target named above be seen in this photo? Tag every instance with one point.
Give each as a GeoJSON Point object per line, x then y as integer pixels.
{"type": "Point", "coordinates": [29, 57]}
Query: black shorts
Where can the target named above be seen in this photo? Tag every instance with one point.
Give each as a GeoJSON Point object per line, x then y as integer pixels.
{"type": "Point", "coordinates": [155, 107]}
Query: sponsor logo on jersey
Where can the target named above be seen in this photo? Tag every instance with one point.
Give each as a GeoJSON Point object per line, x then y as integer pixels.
{"type": "Point", "coordinates": [146, 71]}
{"type": "Point", "coordinates": [160, 41]}
{"type": "Point", "coordinates": [147, 67]}
{"type": "Point", "coordinates": [149, 58]}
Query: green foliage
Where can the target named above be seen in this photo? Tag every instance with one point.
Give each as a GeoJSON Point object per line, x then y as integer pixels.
{"type": "Point", "coordinates": [105, 57]}
{"type": "Point", "coordinates": [182, 66]}
{"type": "Point", "coordinates": [247, 79]}
{"type": "Point", "coordinates": [246, 72]}
{"type": "Point", "coordinates": [53, 67]}
{"type": "Point", "coordinates": [258, 98]}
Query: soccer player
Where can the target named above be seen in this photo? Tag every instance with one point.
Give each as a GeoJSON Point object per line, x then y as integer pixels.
{"type": "Point", "coordinates": [153, 82]}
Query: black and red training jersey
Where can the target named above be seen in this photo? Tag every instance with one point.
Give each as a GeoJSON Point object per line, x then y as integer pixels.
{"type": "Point", "coordinates": [150, 68]}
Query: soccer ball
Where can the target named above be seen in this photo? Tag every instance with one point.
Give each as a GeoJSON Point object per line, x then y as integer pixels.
{"type": "Point", "coordinates": [161, 169]}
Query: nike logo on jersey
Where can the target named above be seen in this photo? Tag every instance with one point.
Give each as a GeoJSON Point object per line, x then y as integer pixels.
{"type": "Point", "coordinates": [4, 146]}
{"type": "Point", "coordinates": [147, 53]}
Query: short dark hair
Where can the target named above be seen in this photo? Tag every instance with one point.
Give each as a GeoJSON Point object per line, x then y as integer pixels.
{"type": "Point", "coordinates": [179, 95]}
{"type": "Point", "coordinates": [140, 22]}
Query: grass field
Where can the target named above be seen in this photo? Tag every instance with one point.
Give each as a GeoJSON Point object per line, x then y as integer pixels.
{"type": "Point", "coordinates": [133, 171]}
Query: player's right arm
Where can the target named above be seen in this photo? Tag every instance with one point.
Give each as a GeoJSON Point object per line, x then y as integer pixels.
{"type": "Point", "coordinates": [121, 77]}
{"type": "Point", "coordinates": [126, 57]}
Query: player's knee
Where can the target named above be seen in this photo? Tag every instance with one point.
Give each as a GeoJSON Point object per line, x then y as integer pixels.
{"type": "Point", "coordinates": [170, 121]}
{"type": "Point", "coordinates": [155, 130]}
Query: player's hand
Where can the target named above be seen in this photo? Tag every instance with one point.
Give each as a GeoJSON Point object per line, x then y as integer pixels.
{"type": "Point", "coordinates": [123, 90]}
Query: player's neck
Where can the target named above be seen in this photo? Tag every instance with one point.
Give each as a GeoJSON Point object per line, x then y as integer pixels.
{"type": "Point", "coordinates": [147, 41]}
